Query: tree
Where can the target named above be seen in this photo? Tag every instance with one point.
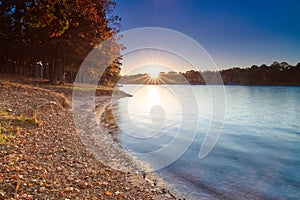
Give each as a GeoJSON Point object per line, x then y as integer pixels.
{"type": "Point", "coordinates": [60, 33]}
{"type": "Point", "coordinates": [82, 25]}
{"type": "Point", "coordinates": [12, 33]}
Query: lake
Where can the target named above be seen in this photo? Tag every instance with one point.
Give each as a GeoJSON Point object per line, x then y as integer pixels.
{"type": "Point", "coordinates": [257, 155]}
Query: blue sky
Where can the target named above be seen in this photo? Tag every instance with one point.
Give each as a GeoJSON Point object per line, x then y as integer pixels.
{"type": "Point", "coordinates": [234, 32]}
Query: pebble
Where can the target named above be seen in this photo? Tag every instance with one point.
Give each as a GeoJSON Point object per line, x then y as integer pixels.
{"type": "Point", "coordinates": [120, 195]}
{"type": "Point", "coordinates": [47, 155]}
{"type": "Point", "coordinates": [168, 195]}
{"type": "Point", "coordinates": [59, 169]}
{"type": "Point", "coordinates": [42, 189]}
{"type": "Point", "coordinates": [69, 189]}
{"type": "Point", "coordinates": [83, 184]}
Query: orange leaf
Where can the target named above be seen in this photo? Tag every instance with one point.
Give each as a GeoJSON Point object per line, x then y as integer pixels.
{"type": "Point", "coordinates": [108, 193]}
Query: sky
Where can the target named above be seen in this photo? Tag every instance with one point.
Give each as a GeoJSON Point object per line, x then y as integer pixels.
{"type": "Point", "coordinates": [235, 33]}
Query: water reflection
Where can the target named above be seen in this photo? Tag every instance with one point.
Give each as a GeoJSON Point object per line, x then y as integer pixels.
{"type": "Point", "coordinates": [150, 110]}
{"type": "Point", "coordinates": [156, 124]}
{"type": "Point", "coordinates": [257, 156]}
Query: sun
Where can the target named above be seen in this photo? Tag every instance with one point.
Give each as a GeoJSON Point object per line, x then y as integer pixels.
{"type": "Point", "coordinates": [153, 74]}
{"type": "Point", "coordinates": [154, 71]}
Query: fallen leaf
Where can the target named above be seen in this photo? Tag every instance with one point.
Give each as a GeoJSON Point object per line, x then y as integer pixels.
{"type": "Point", "coordinates": [108, 193]}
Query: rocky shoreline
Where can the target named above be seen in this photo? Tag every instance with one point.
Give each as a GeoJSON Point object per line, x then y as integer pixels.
{"type": "Point", "coordinates": [42, 156]}
{"type": "Point", "coordinates": [133, 165]}
{"type": "Point", "coordinates": [110, 128]}
{"type": "Point", "coordinates": [98, 132]}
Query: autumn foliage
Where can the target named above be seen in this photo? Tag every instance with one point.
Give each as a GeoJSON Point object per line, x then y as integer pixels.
{"type": "Point", "coordinates": [56, 34]}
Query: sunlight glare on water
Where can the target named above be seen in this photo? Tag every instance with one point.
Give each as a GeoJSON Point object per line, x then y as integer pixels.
{"type": "Point", "coordinates": [147, 109]}
{"type": "Point", "coordinates": [256, 157]}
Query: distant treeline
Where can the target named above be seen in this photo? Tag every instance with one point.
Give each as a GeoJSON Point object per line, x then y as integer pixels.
{"type": "Point", "coordinates": [276, 74]}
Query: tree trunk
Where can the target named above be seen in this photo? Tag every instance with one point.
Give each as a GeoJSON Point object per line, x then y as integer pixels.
{"type": "Point", "coordinates": [53, 72]}
{"type": "Point", "coordinates": [60, 69]}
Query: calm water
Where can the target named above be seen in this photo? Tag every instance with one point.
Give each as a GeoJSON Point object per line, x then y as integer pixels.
{"type": "Point", "coordinates": [256, 157]}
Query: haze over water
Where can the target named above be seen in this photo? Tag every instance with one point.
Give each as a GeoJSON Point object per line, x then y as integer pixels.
{"type": "Point", "coordinates": [256, 157]}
